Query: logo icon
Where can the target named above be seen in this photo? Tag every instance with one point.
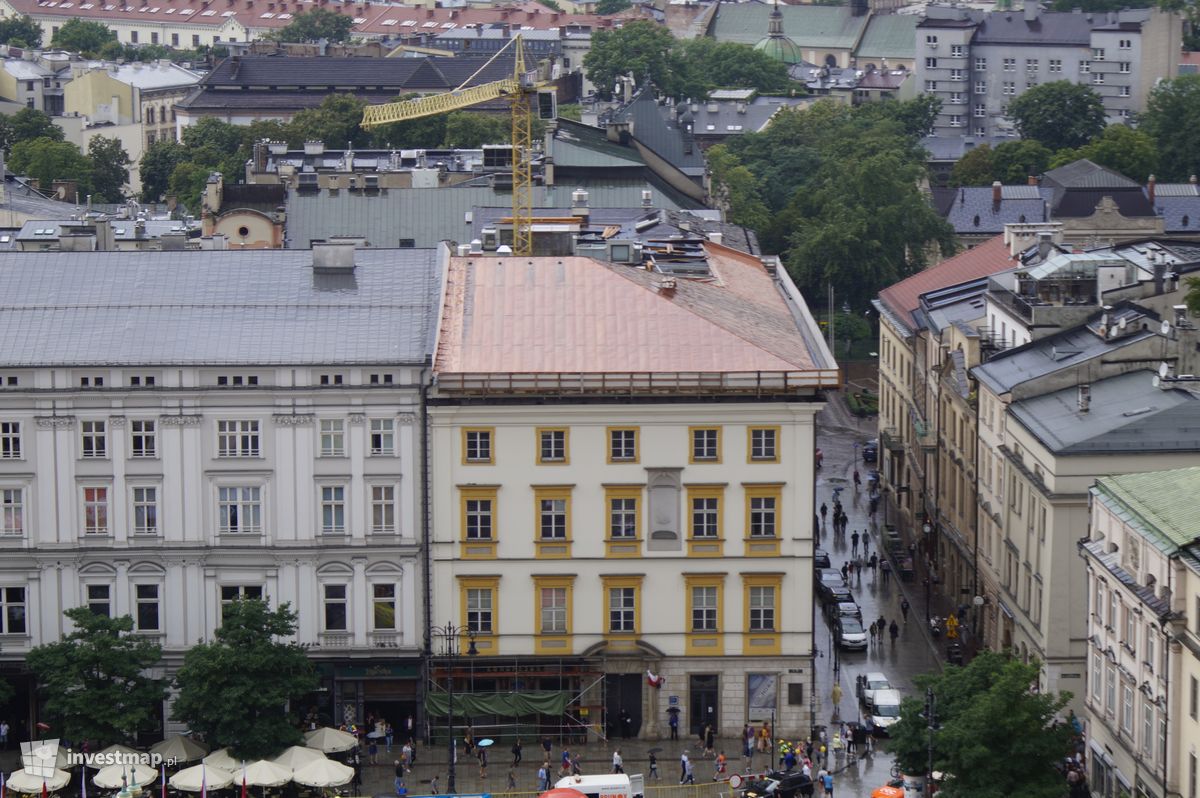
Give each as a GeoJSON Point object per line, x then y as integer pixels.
{"type": "Point", "coordinates": [39, 757]}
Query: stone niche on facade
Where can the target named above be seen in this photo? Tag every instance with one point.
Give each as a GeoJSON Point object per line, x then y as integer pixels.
{"type": "Point", "coordinates": [663, 487]}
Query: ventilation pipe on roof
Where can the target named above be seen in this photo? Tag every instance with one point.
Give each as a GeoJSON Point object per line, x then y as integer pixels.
{"type": "Point", "coordinates": [647, 198]}
{"type": "Point", "coordinates": [332, 258]}
{"type": "Point", "coordinates": [1045, 245]}
{"type": "Point", "coordinates": [1160, 271]}
{"type": "Point", "coordinates": [1085, 397]}
{"type": "Point", "coordinates": [1150, 189]}
{"type": "Point", "coordinates": [997, 192]}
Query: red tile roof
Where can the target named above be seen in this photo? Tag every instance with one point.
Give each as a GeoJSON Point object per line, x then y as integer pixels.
{"type": "Point", "coordinates": [990, 257]}
{"type": "Point", "coordinates": [575, 315]}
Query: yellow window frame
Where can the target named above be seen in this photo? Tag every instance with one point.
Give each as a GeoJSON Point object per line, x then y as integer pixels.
{"type": "Point", "coordinates": [485, 643]}
{"type": "Point", "coordinates": [706, 546]}
{"type": "Point", "coordinates": [773, 429]}
{"type": "Point", "coordinates": [474, 548]}
{"type": "Point", "coordinates": [614, 581]}
{"type": "Point", "coordinates": [637, 444]}
{"type": "Point", "coordinates": [622, 547]}
{"type": "Point", "coordinates": [704, 643]}
{"type": "Point", "coordinates": [566, 459]}
{"type": "Point", "coordinates": [691, 442]}
{"type": "Point", "coordinates": [763, 545]}
{"type": "Point", "coordinates": [765, 642]}
{"type": "Point", "coordinates": [491, 433]}
{"type": "Point", "coordinates": [552, 548]}
{"type": "Point", "coordinates": [553, 642]}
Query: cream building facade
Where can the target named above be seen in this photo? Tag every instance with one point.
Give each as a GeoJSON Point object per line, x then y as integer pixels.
{"type": "Point", "coordinates": [1143, 682]}
{"type": "Point", "coordinates": [623, 507]}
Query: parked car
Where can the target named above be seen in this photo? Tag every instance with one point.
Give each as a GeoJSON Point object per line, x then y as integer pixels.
{"type": "Point", "coordinates": [870, 451]}
{"type": "Point", "coordinates": [834, 594]}
{"type": "Point", "coordinates": [868, 684]}
{"type": "Point", "coordinates": [885, 709]}
{"type": "Point", "coordinates": [821, 559]}
{"type": "Point", "coordinates": [850, 633]}
{"type": "Point", "coordinates": [843, 609]}
{"type": "Point", "coordinates": [831, 575]}
{"type": "Point", "coordinates": [827, 579]}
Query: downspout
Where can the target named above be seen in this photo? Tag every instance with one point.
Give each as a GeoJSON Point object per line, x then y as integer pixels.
{"type": "Point", "coordinates": [1167, 639]}
{"type": "Point", "coordinates": [426, 548]}
{"type": "Point", "coordinates": [977, 631]}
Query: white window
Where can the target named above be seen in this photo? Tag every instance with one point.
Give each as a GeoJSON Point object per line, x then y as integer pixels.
{"type": "Point", "coordinates": [1124, 91]}
{"type": "Point", "coordinates": [1056, 65]}
{"type": "Point", "coordinates": [980, 110]}
{"type": "Point", "coordinates": [931, 63]}
{"type": "Point", "coordinates": [237, 439]}
{"type": "Point", "coordinates": [705, 444]}
{"type": "Point", "coordinates": [762, 608]}
{"type": "Point", "coordinates": [335, 608]}
{"type": "Point", "coordinates": [554, 610]}
{"type": "Point", "coordinates": [99, 599]}
{"type": "Point", "coordinates": [232, 593]}
{"type": "Point", "coordinates": [1124, 67]}
{"type": "Point", "coordinates": [478, 519]}
{"type": "Point", "coordinates": [1031, 65]}
{"type": "Point", "coordinates": [704, 608]}
{"type": "Point", "coordinates": [622, 445]}
{"type": "Point", "coordinates": [12, 611]}
{"type": "Point", "coordinates": [383, 606]}
{"type": "Point", "coordinates": [382, 379]}
{"type": "Point", "coordinates": [1150, 643]}
{"type": "Point", "coordinates": [763, 515]}
{"type": "Point", "coordinates": [332, 379]}
{"type": "Point", "coordinates": [956, 50]}
{"type": "Point", "coordinates": [1029, 84]}
{"type": "Point", "coordinates": [931, 39]}
{"type": "Point", "coordinates": [145, 511]}
{"type": "Point", "coordinates": [237, 380]}
{"type": "Point", "coordinates": [956, 98]}
{"type": "Point", "coordinates": [479, 446]}
{"type": "Point", "coordinates": [147, 615]}
{"type": "Point", "coordinates": [239, 510]}
{"type": "Point", "coordinates": [143, 441]}
{"type": "Point", "coordinates": [479, 610]}
{"type": "Point", "coordinates": [10, 440]}
{"type": "Point", "coordinates": [622, 609]}
{"type": "Point", "coordinates": [1085, 67]}
{"type": "Point", "coordinates": [981, 64]}
{"type": "Point", "coordinates": [1098, 78]}
{"type": "Point", "coordinates": [1097, 53]}
{"type": "Point", "coordinates": [383, 509]}
{"type": "Point", "coordinates": [553, 445]}
{"type": "Point", "coordinates": [91, 381]}
{"type": "Point", "coordinates": [981, 87]}
{"type": "Point", "coordinates": [142, 381]}
{"type": "Point", "coordinates": [705, 520]}
{"type": "Point", "coordinates": [1127, 709]}
{"type": "Point", "coordinates": [552, 523]}
{"type": "Point", "coordinates": [333, 437]}
{"type": "Point", "coordinates": [1010, 89]}
{"type": "Point", "coordinates": [12, 511]}
{"type": "Point", "coordinates": [931, 85]}
{"type": "Point", "coordinates": [1010, 65]}
{"type": "Point", "coordinates": [1097, 675]}
{"type": "Point", "coordinates": [622, 517]}
{"type": "Point", "coordinates": [958, 74]}
{"type": "Point", "coordinates": [1148, 728]}
{"type": "Point", "coordinates": [383, 437]}
{"type": "Point", "coordinates": [94, 438]}
{"type": "Point", "coordinates": [1110, 690]}
{"type": "Point", "coordinates": [1125, 44]}
{"type": "Point", "coordinates": [333, 510]}
{"type": "Point", "coordinates": [95, 511]}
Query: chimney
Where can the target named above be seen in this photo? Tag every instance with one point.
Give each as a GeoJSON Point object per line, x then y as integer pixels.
{"type": "Point", "coordinates": [647, 198]}
{"type": "Point", "coordinates": [1192, 180]}
{"type": "Point", "coordinates": [173, 242]}
{"type": "Point", "coordinates": [1045, 245]}
{"type": "Point", "coordinates": [331, 258]}
{"type": "Point", "coordinates": [1032, 9]}
{"type": "Point", "coordinates": [1160, 271]}
{"type": "Point", "coordinates": [741, 108]}
{"type": "Point", "coordinates": [1085, 397]}
{"type": "Point", "coordinates": [1033, 180]}
{"type": "Point", "coordinates": [1150, 188]}
{"type": "Point", "coordinates": [579, 204]}
{"type": "Point", "coordinates": [997, 190]}
{"type": "Point", "coordinates": [666, 286]}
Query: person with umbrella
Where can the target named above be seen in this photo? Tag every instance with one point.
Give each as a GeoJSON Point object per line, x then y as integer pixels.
{"type": "Point", "coordinates": [673, 722]}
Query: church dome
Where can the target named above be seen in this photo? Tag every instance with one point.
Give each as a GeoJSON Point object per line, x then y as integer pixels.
{"type": "Point", "coordinates": [780, 48]}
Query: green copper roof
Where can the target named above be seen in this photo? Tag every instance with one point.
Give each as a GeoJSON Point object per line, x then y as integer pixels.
{"type": "Point", "coordinates": [889, 36]}
{"type": "Point", "coordinates": [808, 26]}
{"type": "Point", "coordinates": [780, 48]}
{"type": "Point", "coordinates": [1163, 503]}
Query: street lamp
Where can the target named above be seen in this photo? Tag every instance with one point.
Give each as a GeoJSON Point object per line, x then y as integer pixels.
{"type": "Point", "coordinates": [926, 528]}
{"type": "Point", "coordinates": [451, 635]}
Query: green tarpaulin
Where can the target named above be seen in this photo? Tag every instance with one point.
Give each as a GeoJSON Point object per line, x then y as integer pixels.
{"type": "Point", "coordinates": [511, 705]}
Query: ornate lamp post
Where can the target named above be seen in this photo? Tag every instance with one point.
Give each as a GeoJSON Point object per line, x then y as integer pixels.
{"type": "Point", "coordinates": [451, 635]}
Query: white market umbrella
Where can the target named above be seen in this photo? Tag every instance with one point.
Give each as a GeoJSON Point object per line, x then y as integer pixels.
{"type": "Point", "coordinates": [265, 773]}
{"type": "Point", "coordinates": [221, 759]}
{"type": "Point", "coordinates": [119, 751]}
{"type": "Point", "coordinates": [329, 740]}
{"type": "Point", "coordinates": [191, 779]}
{"type": "Point", "coordinates": [323, 773]}
{"type": "Point", "coordinates": [114, 777]}
{"type": "Point", "coordinates": [24, 781]}
{"type": "Point", "coordinates": [297, 757]}
{"type": "Point", "coordinates": [179, 748]}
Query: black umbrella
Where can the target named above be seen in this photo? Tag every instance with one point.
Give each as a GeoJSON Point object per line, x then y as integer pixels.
{"type": "Point", "coordinates": [674, 710]}
{"type": "Point", "coordinates": [654, 750]}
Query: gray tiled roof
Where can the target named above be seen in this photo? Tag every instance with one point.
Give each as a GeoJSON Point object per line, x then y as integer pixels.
{"type": "Point", "coordinates": [1050, 28]}
{"type": "Point", "coordinates": [1018, 204]}
{"type": "Point", "coordinates": [1126, 414]}
{"type": "Point", "coordinates": [194, 308]}
{"type": "Point", "coordinates": [1181, 215]}
{"type": "Point", "coordinates": [728, 120]}
{"type": "Point", "coordinates": [663, 137]}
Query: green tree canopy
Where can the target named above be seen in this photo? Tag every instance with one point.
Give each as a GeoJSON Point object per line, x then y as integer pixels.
{"type": "Point", "coordinates": [701, 65]}
{"type": "Point", "coordinates": [20, 31]}
{"type": "Point", "coordinates": [468, 130]}
{"type": "Point", "coordinates": [607, 7]}
{"type": "Point", "coordinates": [987, 719]}
{"type": "Point", "coordinates": [1172, 120]}
{"type": "Point", "coordinates": [94, 679]}
{"type": "Point", "coordinates": [640, 48]}
{"type": "Point", "coordinates": [1015, 161]}
{"type": "Point", "coordinates": [236, 691]}
{"type": "Point", "coordinates": [156, 167]}
{"type": "Point", "coordinates": [46, 160]}
{"type": "Point", "coordinates": [976, 168]}
{"type": "Point", "coordinates": [335, 121]}
{"type": "Point", "coordinates": [311, 26]}
{"type": "Point", "coordinates": [27, 124]}
{"type": "Point", "coordinates": [110, 169]}
{"type": "Point", "coordinates": [1121, 148]}
{"type": "Point", "coordinates": [1059, 114]}
{"type": "Point", "coordinates": [83, 36]}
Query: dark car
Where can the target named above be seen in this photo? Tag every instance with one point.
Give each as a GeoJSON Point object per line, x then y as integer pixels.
{"type": "Point", "coordinates": [839, 609]}
{"type": "Point", "coordinates": [870, 451]}
{"type": "Point", "coordinates": [821, 559]}
{"type": "Point", "coordinates": [834, 594]}
{"type": "Point", "coordinates": [831, 575]}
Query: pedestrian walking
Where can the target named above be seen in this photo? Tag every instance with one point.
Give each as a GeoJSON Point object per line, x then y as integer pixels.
{"type": "Point", "coordinates": [618, 762]}
{"type": "Point", "coordinates": [873, 562]}
{"type": "Point", "coordinates": [691, 773]}
{"type": "Point", "coordinates": [886, 567]}
{"type": "Point", "coordinates": [433, 784]}
{"type": "Point", "coordinates": [827, 784]}
{"type": "Point", "coordinates": [389, 734]}
{"type": "Point", "coordinates": [895, 632]}
{"type": "Point", "coordinates": [721, 765]}
{"type": "Point", "coordinates": [857, 481]}
{"type": "Point", "coordinates": [4, 734]}
{"type": "Point", "coordinates": [373, 751]}
{"type": "Point", "coordinates": [654, 768]}
{"type": "Point", "coordinates": [674, 724]}
{"type": "Point", "coordinates": [846, 571]}
{"type": "Point", "coordinates": [824, 511]}
{"type": "Point", "coordinates": [512, 780]}
{"type": "Point", "coordinates": [566, 763]}
{"type": "Point", "coordinates": [836, 694]}
{"type": "Point", "coordinates": [845, 522]}
{"type": "Point", "coordinates": [516, 752]}
{"type": "Point", "coordinates": [683, 767]}
{"type": "Point", "coordinates": [866, 540]}
{"type": "Point", "coordinates": [399, 781]}
{"type": "Point", "coordinates": [547, 745]}
{"type": "Point", "coordinates": [482, 762]}
{"type": "Point", "coordinates": [854, 543]}
{"type": "Point", "coordinates": [544, 777]}
{"type": "Point", "coordinates": [871, 633]}
{"type": "Point", "coordinates": [904, 610]}
{"type": "Point", "coordinates": [469, 741]}
{"type": "Point", "coordinates": [576, 770]}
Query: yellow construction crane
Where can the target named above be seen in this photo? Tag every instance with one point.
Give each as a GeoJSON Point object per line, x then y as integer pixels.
{"type": "Point", "coordinates": [518, 89]}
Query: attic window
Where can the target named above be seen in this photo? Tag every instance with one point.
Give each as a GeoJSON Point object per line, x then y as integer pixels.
{"type": "Point", "coordinates": [359, 20]}
{"type": "Point", "coordinates": [1186, 220]}
{"type": "Point", "coordinates": [429, 25]}
{"type": "Point", "coordinates": [266, 15]}
{"type": "Point", "coordinates": [285, 16]}
{"type": "Point", "coordinates": [976, 220]}
{"type": "Point", "coordinates": [389, 22]}
{"type": "Point", "coordinates": [1022, 219]}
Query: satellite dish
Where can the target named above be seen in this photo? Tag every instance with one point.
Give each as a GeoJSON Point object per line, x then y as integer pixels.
{"type": "Point", "coordinates": [1163, 369]}
{"type": "Point", "coordinates": [1165, 329]}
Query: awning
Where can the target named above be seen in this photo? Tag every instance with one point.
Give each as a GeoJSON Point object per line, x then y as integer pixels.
{"type": "Point", "coordinates": [545, 702]}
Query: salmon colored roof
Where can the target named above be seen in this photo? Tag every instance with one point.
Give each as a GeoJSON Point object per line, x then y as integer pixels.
{"type": "Point", "coordinates": [988, 258]}
{"type": "Point", "coordinates": [576, 315]}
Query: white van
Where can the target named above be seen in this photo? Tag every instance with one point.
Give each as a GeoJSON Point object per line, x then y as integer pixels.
{"type": "Point", "coordinates": [615, 785]}
{"type": "Point", "coordinates": [885, 708]}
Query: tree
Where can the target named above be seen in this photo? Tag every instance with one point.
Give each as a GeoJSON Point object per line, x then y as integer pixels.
{"type": "Point", "coordinates": [319, 23]}
{"type": "Point", "coordinates": [700, 65]}
{"type": "Point", "coordinates": [976, 168]}
{"type": "Point", "coordinates": [1059, 114]}
{"type": "Point", "coordinates": [988, 718]}
{"type": "Point", "coordinates": [1121, 148]}
{"type": "Point", "coordinates": [469, 130]}
{"type": "Point", "coordinates": [187, 183]}
{"type": "Point", "coordinates": [736, 189]}
{"type": "Point", "coordinates": [425, 131]}
{"type": "Point", "coordinates": [236, 691]}
{"type": "Point", "coordinates": [606, 7]}
{"type": "Point", "coordinates": [94, 680]}
{"type": "Point", "coordinates": [83, 36]}
{"type": "Point", "coordinates": [1172, 120]}
{"type": "Point", "coordinates": [46, 160]}
{"type": "Point", "coordinates": [1014, 161]}
{"type": "Point", "coordinates": [110, 168]}
{"type": "Point", "coordinates": [156, 167]}
{"type": "Point", "coordinates": [26, 124]}
{"type": "Point", "coordinates": [639, 48]}
{"type": "Point", "coordinates": [20, 31]}
{"type": "Point", "coordinates": [335, 121]}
